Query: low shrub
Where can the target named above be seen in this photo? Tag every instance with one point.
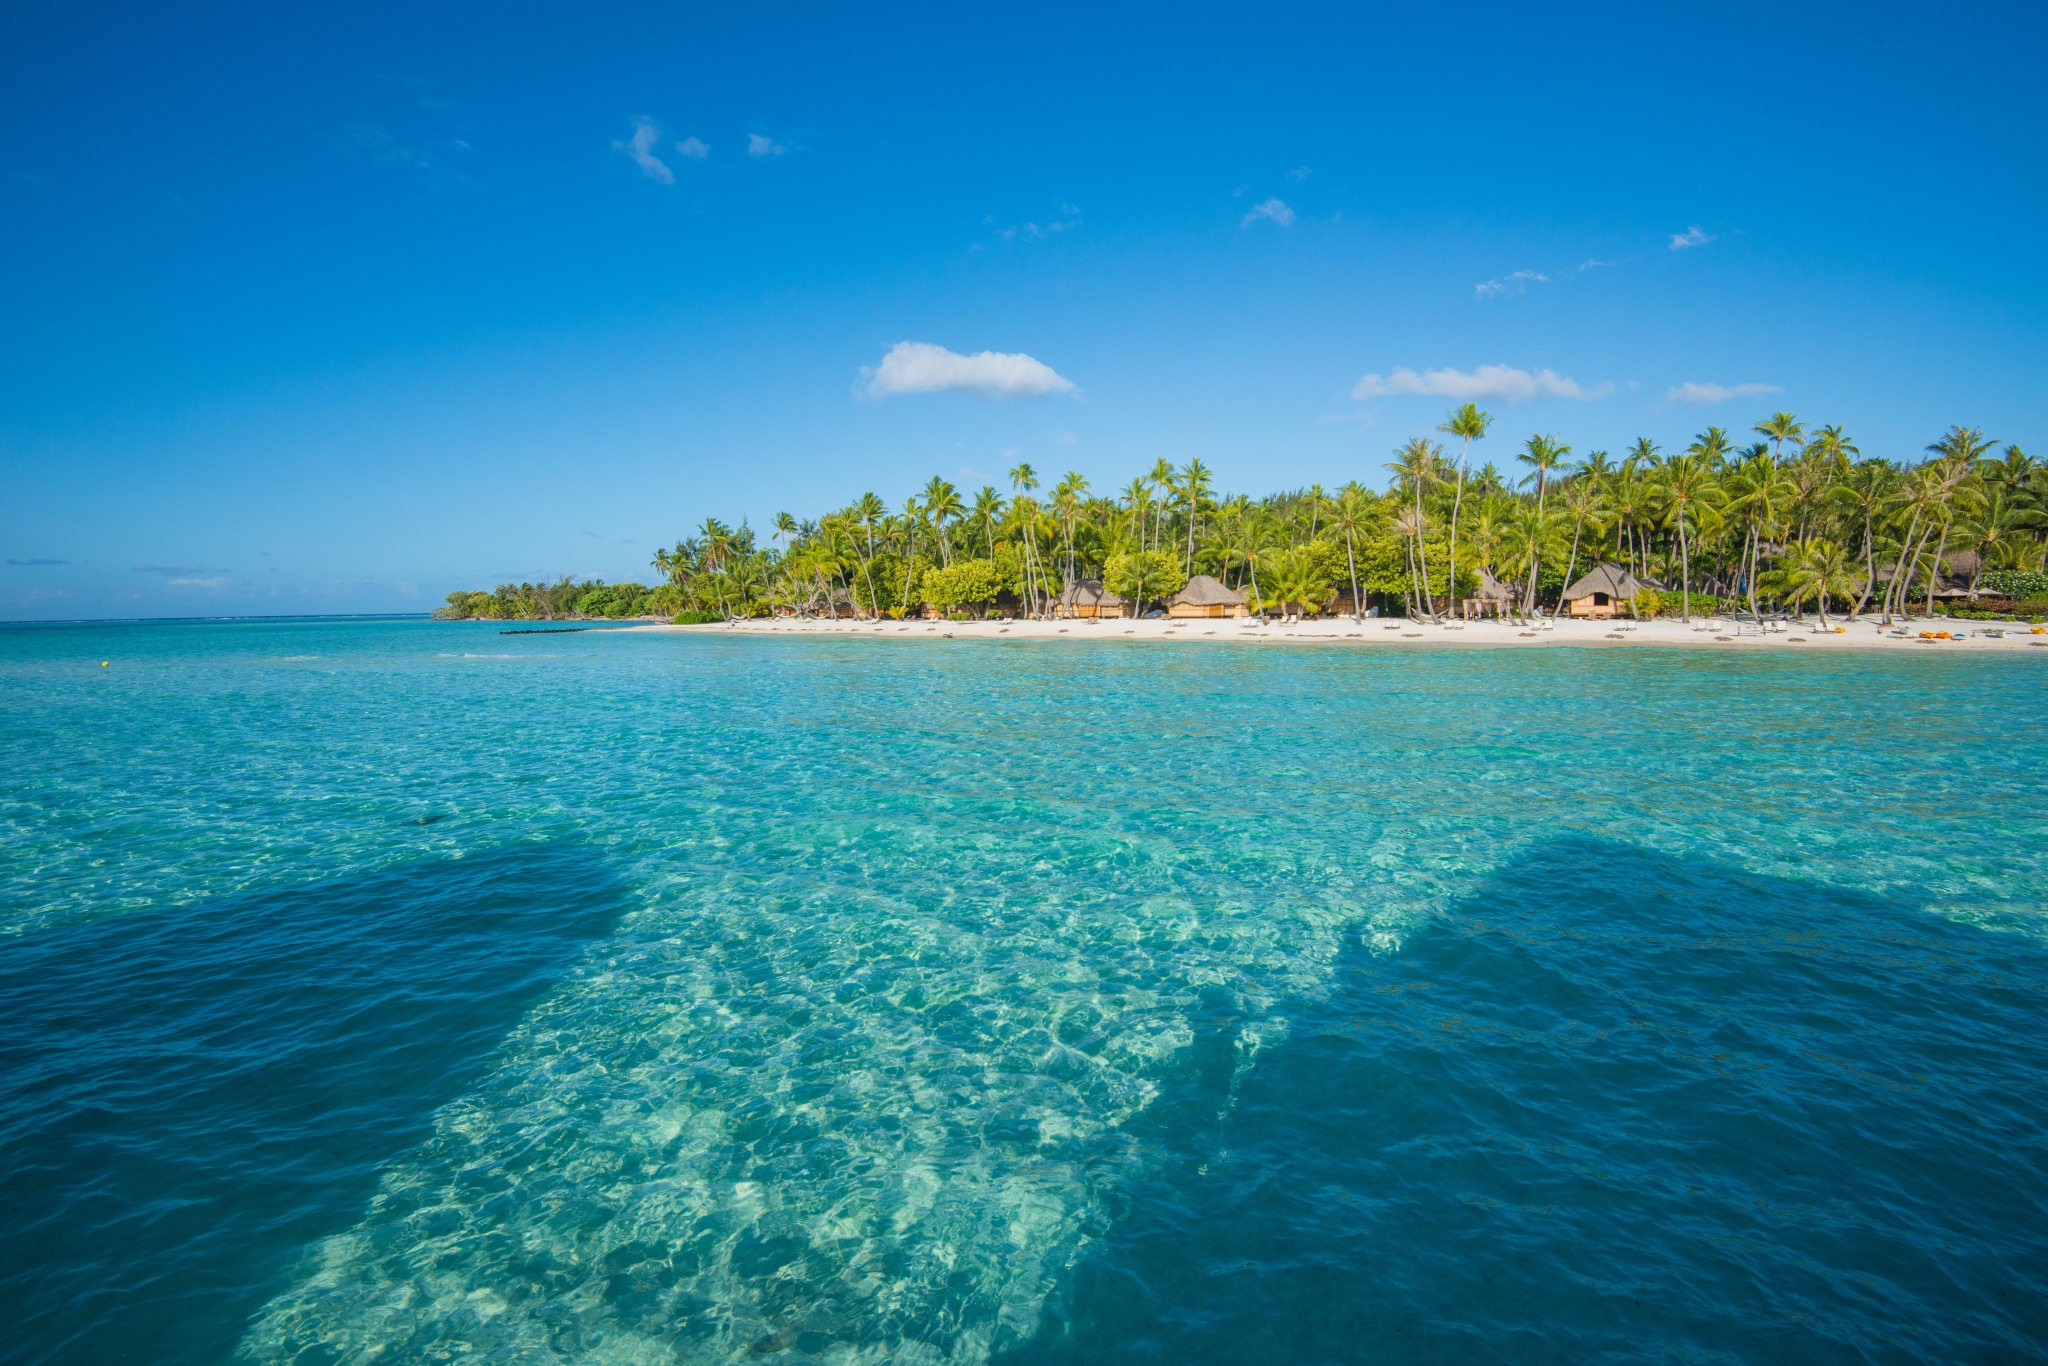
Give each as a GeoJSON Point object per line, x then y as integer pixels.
{"type": "Point", "coordinates": [698, 618]}
{"type": "Point", "coordinates": [2018, 583]}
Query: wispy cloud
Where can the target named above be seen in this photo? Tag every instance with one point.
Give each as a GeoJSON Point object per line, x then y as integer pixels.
{"type": "Point", "coordinates": [641, 149]}
{"type": "Point", "coordinates": [694, 149]}
{"type": "Point", "coordinates": [38, 561]}
{"type": "Point", "coordinates": [1274, 209]}
{"type": "Point", "coordinates": [1716, 393]}
{"type": "Point", "coordinates": [1299, 174]}
{"type": "Point", "coordinates": [923, 368]}
{"type": "Point", "coordinates": [187, 575]}
{"type": "Point", "coordinates": [1069, 219]}
{"type": "Point", "coordinates": [1597, 265]}
{"type": "Point", "coordinates": [1518, 283]}
{"type": "Point", "coordinates": [1487, 381]}
{"type": "Point", "coordinates": [758, 146]}
{"type": "Point", "coordinates": [1063, 437]}
{"type": "Point", "coordinates": [435, 160]}
{"type": "Point", "coordinates": [1691, 237]}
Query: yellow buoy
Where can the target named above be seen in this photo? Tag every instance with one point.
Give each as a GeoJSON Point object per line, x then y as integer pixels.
{"type": "Point", "coordinates": [103, 664]}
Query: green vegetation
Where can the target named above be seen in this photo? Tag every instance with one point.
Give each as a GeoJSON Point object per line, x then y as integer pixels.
{"type": "Point", "coordinates": [562, 600]}
{"type": "Point", "coordinates": [1794, 520]}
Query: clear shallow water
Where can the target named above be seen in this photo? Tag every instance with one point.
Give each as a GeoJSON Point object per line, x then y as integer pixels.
{"type": "Point", "coordinates": [824, 1000]}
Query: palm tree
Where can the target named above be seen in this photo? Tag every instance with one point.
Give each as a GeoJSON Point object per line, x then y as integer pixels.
{"type": "Point", "coordinates": [1415, 464]}
{"type": "Point", "coordinates": [1817, 569]}
{"type": "Point", "coordinates": [1348, 516]}
{"type": "Point", "coordinates": [942, 505]}
{"type": "Point", "coordinates": [1160, 479]}
{"type": "Point", "coordinates": [1297, 578]}
{"type": "Point", "coordinates": [988, 508]}
{"type": "Point", "coordinates": [1865, 490]}
{"type": "Point", "coordinates": [1995, 520]}
{"type": "Point", "coordinates": [1628, 497]}
{"type": "Point", "coordinates": [1931, 496]}
{"type": "Point", "coordinates": [1194, 487]}
{"type": "Point", "coordinates": [1249, 537]}
{"type": "Point", "coordinates": [1544, 453]}
{"type": "Point", "coordinates": [1066, 502]}
{"type": "Point", "coordinates": [1686, 485]}
{"type": "Point", "coordinates": [868, 510]}
{"type": "Point", "coordinates": [1023, 479]}
{"type": "Point", "coordinates": [1137, 497]}
{"type": "Point", "coordinates": [913, 522]}
{"type": "Point", "coordinates": [1780, 428]}
{"type": "Point", "coordinates": [1468, 424]}
{"type": "Point", "coordinates": [1585, 503]}
{"type": "Point", "coordinates": [1530, 534]}
{"type": "Point", "coordinates": [785, 529]}
{"type": "Point", "coordinates": [1757, 488]}
{"type": "Point", "coordinates": [1822, 464]}
{"type": "Point", "coordinates": [1408, 522]}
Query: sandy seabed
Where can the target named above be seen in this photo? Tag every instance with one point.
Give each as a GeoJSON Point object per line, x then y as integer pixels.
{"type": "Point", "coordinates": [1718, 633]}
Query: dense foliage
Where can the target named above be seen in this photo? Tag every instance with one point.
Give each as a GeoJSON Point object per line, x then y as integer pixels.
{"type": "Point", "coordinates": [1792, 520]}
{"type": "Point", "coordinates": [564, 599]}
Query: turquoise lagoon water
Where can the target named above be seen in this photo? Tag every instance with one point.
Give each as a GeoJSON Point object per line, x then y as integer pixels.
{"type": "Point", "coordinates": [392, 991]}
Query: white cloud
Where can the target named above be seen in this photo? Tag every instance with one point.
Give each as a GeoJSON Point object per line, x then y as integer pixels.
{"type": "Point", "coordinates": [1517, 283]}
{"type": "Point", "coordinates": [694, 149]}
{"type": "Point", "coordinates": [641, 149]}
{"type": "Point", "coordinates": [1273, 209]}
{"type": "Point", "coordinates": [1597, 265]}
{"type": "Point", "coordinates": [922, 368]}
{"type": "Point", "coordinates": [1691, 237]}
{"type": "Point", "coordinates": [1299, 174]}
{"type": "Point", "coordinates": [758, 146]}
{"type": "Point", "coordinates": [1487, 381]}
{"type": "Point", "coordinates": [1716, 393]}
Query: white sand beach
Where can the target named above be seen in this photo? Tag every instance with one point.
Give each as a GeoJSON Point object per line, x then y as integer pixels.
{"type": "Point", "coordinates": [1718, 633]}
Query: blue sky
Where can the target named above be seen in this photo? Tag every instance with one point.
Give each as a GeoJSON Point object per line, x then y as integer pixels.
{"type": "Point", "coordinates": [338, 309]}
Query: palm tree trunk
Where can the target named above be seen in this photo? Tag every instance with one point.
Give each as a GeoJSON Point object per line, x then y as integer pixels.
{"type": "Point", "coordinates": [1749, 579]}
{"type": "Point", "coordinates": [1457, 502]}
{"type": "Point", "coordinates": [1911, 566]}
{"type": "Point", "coordinates": [1891, 588]}
{"type": "Point", "coordinates": [1685, 572]}
{"type": "Point", "coordinates": [1422, 555]}
{"type": "Point", "coordinates": [1351, 558]}
{"type": "Point", "coordinates": [1934, 569]}
{"type": "Point", "coordinates": [1869, 568]}
{"type": "Point", "coordinates": [1573, 562]}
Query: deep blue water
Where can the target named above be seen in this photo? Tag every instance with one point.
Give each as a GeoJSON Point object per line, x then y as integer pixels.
{"type": "Point", "coordinates": [406, 992]}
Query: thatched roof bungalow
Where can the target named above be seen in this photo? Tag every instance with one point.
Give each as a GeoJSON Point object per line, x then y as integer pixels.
{"type": "Point", "coordinates": [1605, 591]}
{"type": "Point", "coordinates": [1086, 598]}
{"type": "Point", "coordinates": [1490, 596]}
{"type": "Point", "coordinates": [1206, 597]}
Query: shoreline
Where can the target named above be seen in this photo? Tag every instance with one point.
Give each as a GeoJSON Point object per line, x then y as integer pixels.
{"type": "Point", "coordinates": [1399, 631]}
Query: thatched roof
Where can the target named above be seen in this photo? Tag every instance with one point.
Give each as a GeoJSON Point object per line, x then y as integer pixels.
{"type": "Point", "coordinates": [1610, 579]}
{"type": "Point", "coordinates": [1491, 589]}
{"type": "Point", "coordinates": [1203, 591]}
{"type": "Point", "coordinates": [1088, 593]}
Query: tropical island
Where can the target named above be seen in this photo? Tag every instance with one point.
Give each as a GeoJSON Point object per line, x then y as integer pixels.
{"type": "Point", "coordinates": [1790, 521]}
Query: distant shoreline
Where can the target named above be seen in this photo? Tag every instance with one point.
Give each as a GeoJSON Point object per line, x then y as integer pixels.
{"type": "Point", "coordinates": [1720, 634]}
